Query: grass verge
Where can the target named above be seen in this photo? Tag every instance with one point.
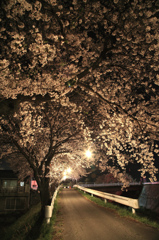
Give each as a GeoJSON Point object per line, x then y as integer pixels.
{"type": "Point", "coordinates": [47, 230]}
{"type": "Point", "coordinates": [142, 215]}
{"type": "Point", "coordinates": [22, 225]}
{"type": "Point", "coordinates": [30, 226]}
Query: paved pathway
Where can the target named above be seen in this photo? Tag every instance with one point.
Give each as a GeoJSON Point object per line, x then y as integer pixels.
{"type": "Point", "coordinates": [83, 220]}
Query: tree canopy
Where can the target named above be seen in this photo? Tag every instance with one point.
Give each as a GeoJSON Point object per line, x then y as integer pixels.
{"type": "Point", "coordinates": [44, 141]}
{"type": "Point", "coordinates": [101, 56]}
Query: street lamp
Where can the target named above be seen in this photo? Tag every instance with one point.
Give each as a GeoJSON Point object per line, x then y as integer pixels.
{"type": "Point", "coordinates": [69, 170]}
{"type": "Point", "coordinates": [88, 153]}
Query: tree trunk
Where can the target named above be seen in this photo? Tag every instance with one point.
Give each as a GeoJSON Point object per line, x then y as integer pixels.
{"type": "Point", "coordinates": [45, 196]}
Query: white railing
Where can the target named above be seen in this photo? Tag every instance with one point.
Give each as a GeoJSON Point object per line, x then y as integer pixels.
{"type": "Point", "coordinates": [115, 184]}
{"type": "Point", "coordinates": [107, 184]}
{"type": "Point", "coordinates": [133, 203]}
{"type": "Point", "coordinates": [49, 208]}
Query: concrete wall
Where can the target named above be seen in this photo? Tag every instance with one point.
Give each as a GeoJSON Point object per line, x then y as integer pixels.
{"type": "Point", "coordinates": [149, 197]}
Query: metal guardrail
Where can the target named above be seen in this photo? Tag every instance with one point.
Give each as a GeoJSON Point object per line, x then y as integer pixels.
{"type": "Point", "coordinates": [133, 203]}
{"type": "Point", "coordinates": [49, 208]}
{"type": "Point", "coordinates": [115, 184]}
{"type": "Point", "coordinates": [107, 184]}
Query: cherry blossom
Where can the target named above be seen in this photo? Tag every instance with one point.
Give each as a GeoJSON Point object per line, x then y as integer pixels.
{"type": "Point", "coordinates": [98, 61]}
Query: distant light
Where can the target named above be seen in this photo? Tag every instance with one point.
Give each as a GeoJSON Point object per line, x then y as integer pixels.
{"type": "Point", "coordinates": [65, 173]}
{"type": "Point", "coordinates": [88, 153]}
{"type": "Point", "coordinates": [64, 178]}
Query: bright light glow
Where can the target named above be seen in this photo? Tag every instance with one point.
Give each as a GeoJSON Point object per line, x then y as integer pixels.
{"type": "Point", "coordinates": [88, 153]}
{"type": "Point", "coordinates": [64, 178]}
{"type": "Point", "coordinates": [66, 172]}
{"type": "Point", "coordinates": [69, 170]}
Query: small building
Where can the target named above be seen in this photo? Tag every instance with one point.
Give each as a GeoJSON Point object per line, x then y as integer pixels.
{"type": "Point", "coordinates": [14, 195]}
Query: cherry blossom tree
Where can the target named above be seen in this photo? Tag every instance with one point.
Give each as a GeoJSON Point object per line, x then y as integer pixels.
{"type": "Point", "coordinates": [45, 140]}
{"type": "Point", "coordinates": [100, 55]}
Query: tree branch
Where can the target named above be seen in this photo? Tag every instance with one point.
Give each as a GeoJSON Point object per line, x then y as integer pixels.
{"type": "Point", "coordinates": [112, 104]}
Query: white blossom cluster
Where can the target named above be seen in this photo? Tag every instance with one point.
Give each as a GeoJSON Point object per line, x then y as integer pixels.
{"type": "Point", "coordinates": [97, 60]}
{"type": "Point", "coordinates": [119, 145]}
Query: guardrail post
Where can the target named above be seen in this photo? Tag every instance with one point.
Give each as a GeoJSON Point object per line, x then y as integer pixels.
{"type": "Point", "coordinates": [48, 213]}
{"type": "Point", "coordinates": [91, 194]}
{"type": "Point", "coordinates": [133, 210]}
{"type": "Point", "coordinates": [105, 200]}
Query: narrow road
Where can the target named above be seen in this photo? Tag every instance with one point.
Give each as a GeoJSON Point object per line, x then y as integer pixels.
{"type": "Point", "coordinates": [83, 220]}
